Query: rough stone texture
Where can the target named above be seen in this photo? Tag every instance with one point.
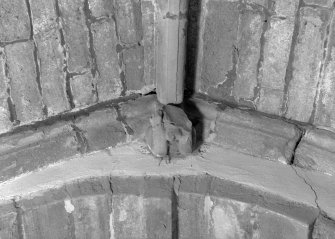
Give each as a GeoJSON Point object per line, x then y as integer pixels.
{"type": "Point", "coordinates": [30, 150]}
{"type": "Point", "coordinates": [325, 101]}
{"type": "Point", "coordinates": [256, 135]}
{"type": "Point", "coordinates": [220, 33]}
{"type": "Point", "coordinates": [5, 123]}
{"type": "Point", "coordinates": [222, 218]}
{"type": "Point", "coordinates": [48, 221]}
{"type": "Point", "coordinates": [15, 23]}
{"type": "Point", "coordinates": [23, 81]}
{"type": "Point", "coordinates": [148, 23]}
{"type": "Point", "coordinates": [249, 44]}
{"type": "Point", "coordinates": [277, 48]}
{"type": "Point", "coordinates": [324, 191]}
{"type": "Point", "coordinates": [155, 136]}
{"type": "Point", "coordinates": [83, 89]}
{"type": "Point", "coordinates": [263, 3]}
{"type": "Point", "coordinates": [76, 34]}
{"type": "Point", "coordinates": [203, 115]}
{"type": "Point", "coordinates": [101, 129]}
{"type": "Point", "coordinates": [133, 59]}
{"type": "Point", "coordinates": [316, 151]}
{"type": "Point", "coordinates": [137, 217]}
{"type": "Point", "coordinates": [52, 76]}
{"type": "Point", "coordinates": [178, 130]}
{"type": "Point", "coordinates": [101, 8]}
{"type": "Point", "coordinates": [323, 229]}
{"type": "Point", "coordinates": [43, 13]}
{"type": "Point", "coordinates": [104, 39]}
{"type": "Point", "coordinates": [8, 221]}
{"type": "Point", "coordinates": [322, 3]}
{"type": "Point", "coordinates": [136, 114]}
{"type": "Point", "coordinates": [91, 216]}
{"type": "Point", "coordinates": [306, 64]}
{"type": "Point", "coordinates": [128, 15]}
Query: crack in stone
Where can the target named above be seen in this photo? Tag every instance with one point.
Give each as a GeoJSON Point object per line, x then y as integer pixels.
{"type": "Point", "coordinates": [83, 146]}
{"type": "Point", "coordinates": [19, 219]}
{"type": "Point", "coordinates": [321, 212]}
{"type": "Point", "coordinates": [94, 68]}
{"type": "Point", "coordinates": [129, 131]}
{"type": "Point", "coordinates": [110, 184]}
{"type": "Point", "coordinates": [68, 89]}
{"type": "Point", "coordinates": [175, 206]}
{"type": "Point", "coordinates": [302, 134]}
{"type": "Point", "coordinates": [2, 44]}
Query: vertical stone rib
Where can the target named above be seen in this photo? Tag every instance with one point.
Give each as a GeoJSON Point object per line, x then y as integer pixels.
{"type": "Point", "coordinates": [170, 47]}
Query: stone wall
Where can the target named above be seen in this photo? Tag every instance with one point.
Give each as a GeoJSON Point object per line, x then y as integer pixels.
{"type": "Point", "coordinates": [61, 55]}
{"type": "Point", "coordinates": [275, 56]}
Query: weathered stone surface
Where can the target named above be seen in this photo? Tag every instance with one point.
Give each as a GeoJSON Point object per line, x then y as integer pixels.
{"type": "Point", "coordinates": [155, 136]}
{"type": "Point", "coordinates": [323, 229]}
{"type": "Point", "coordinates": [306, 64]}
{"type": "Point", "coordinates": [43, 13]}
{"type": "Point", "coordinates": [101, 129]}
{"type": "Point", "coordinates": [220, 33]}
{"type": "Point", "coordinates": [31, 150]}
{"type": "Point", "coordinates": [101, 8]}
{"type": "Point", "coordinates": [325, 101]}
{"type": "Point", "coordinates": [322, 3]}
{"type": "Point", "coordinates": [249, 45]}
{"type": "Point", "coordinates": [88, 187]}
{"type": "Point", "coordinates": [323, 187]}
{"type": "Point", "coordinates": [263, 3]}
{"type": "Point", "coordinates": [148, 23]}
{"type": "Point", "coordinates": [24, 87]}
{"type": "Point", "coordinates": [76, 34]}
{"type": "Point", "coordinates": [8, 220]}
{"type": "Point", "coordinates": [170, 50]}
{"type": "Point", "coordinates": [178, 130]}
{"type": "Point", "coordinates": [90, 216]}
{"type": "Point", "coordinates": [109, 85]}
{"type": "Point", "coordinates": [192, 206]}
{"type": "Point", "coordinates": [149, 187]}
{"type": "Point", "coordinates": [316, 151]}
{"type": "Point", "coordinates": [5, 123]}
{"type": "Point", "coordinates": [277, 47]}
{"type": "Point", "coordinates": [138, 217]}
{"type": "Point", "coordinates": [83, 89]}
{"type": "Point", "coordinates": [52, 76]}
{"type": "Point", "coordinates": [129, 20]}
{"type": "Point", "coordinates": [133, 59]}
{"type": "Point", "coordinates": [15, 23]}
{"type": "Point", "coordinates": [203, 115]}
{"type": "Point", "coordinates": [48, 221]}
{"type": "Point", "coordinates": [136, 113]}
{"type": "Point", "coordinates": [223, 218]}
{"type": "Point", "coordinates": [256, 135]}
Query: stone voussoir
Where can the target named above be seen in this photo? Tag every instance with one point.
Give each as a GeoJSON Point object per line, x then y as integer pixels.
{"type": "Point", "coordinates": [101, 129]}
{"type": "Point", "coordinates": [14, 24]}
{"type": "Point", "coordinates": [32, 149]}
{"type": "Point", "coordinates": [316, 151]}
{"type": "Point", "coordinates": [256, 135]}
{"type": "Point", "coordinates": [136, 114]}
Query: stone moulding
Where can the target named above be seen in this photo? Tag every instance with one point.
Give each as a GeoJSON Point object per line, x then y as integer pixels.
{"type": "Point", "coordinates": [244, 131]}
{"type": "Point", "coordinates": [124, 189]}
